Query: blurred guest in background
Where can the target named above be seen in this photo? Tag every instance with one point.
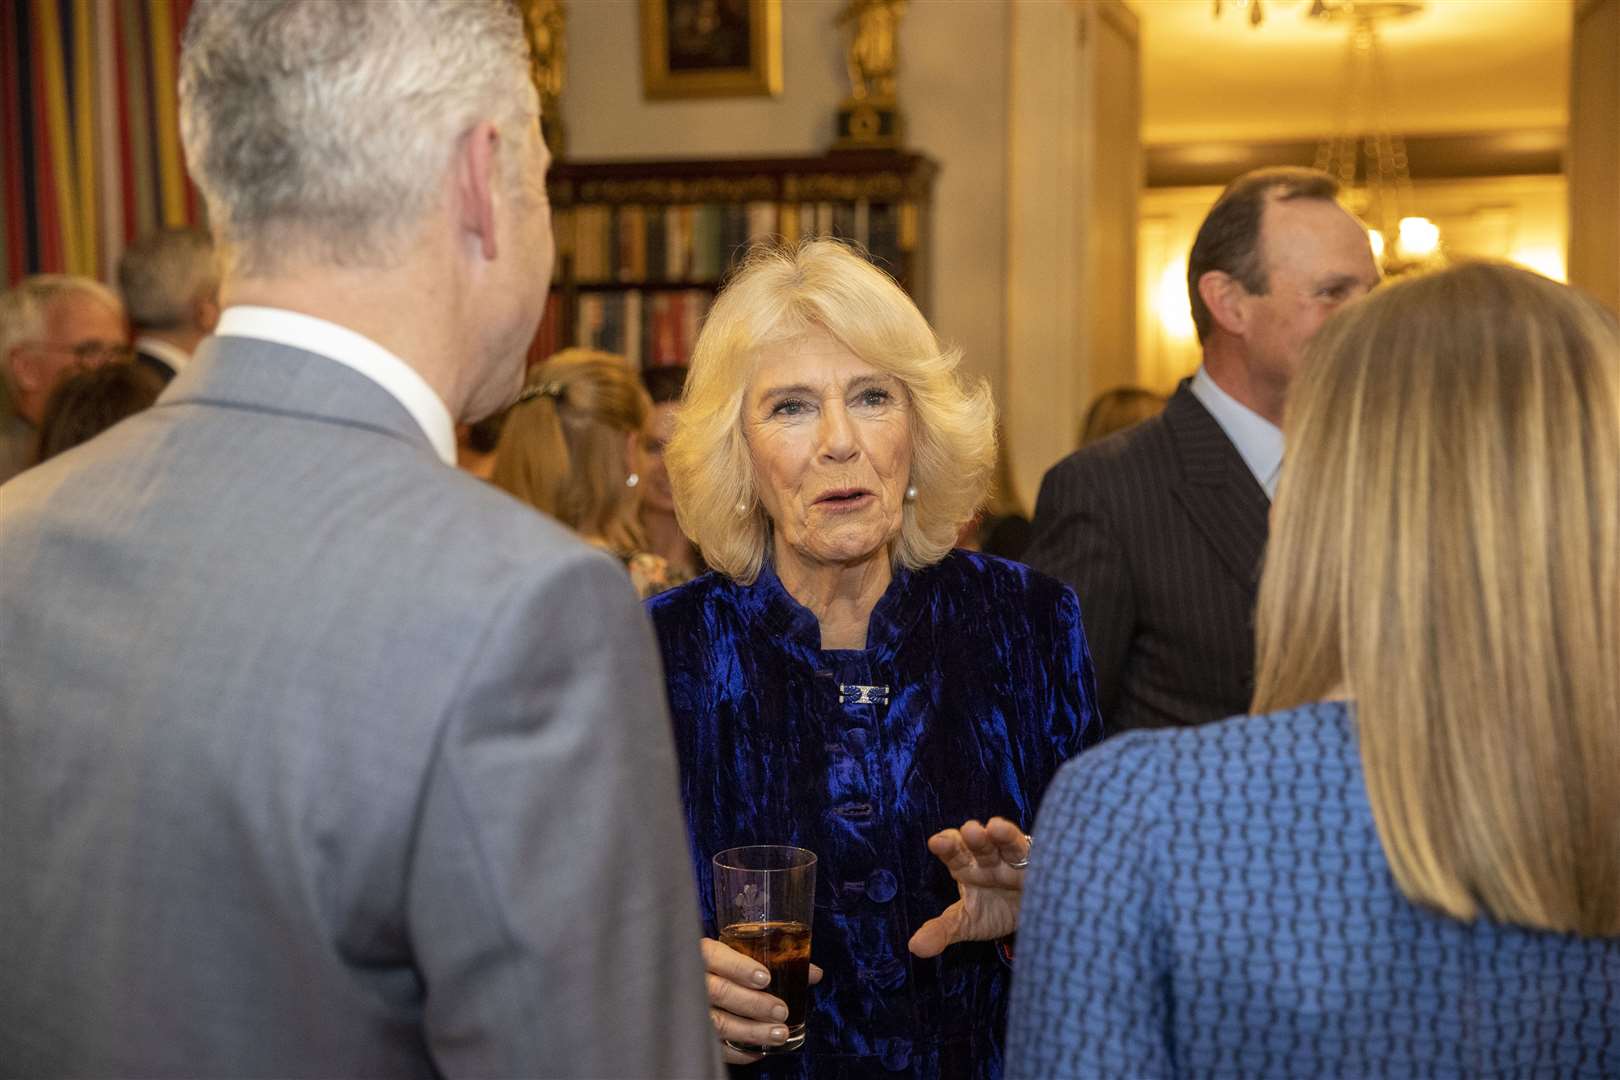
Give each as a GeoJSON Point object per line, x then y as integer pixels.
{"type": "Point", "coordinates": [656, 500]}
{"type": "Point", "coordinates": [85, 404]}
{"type": "Point", "coordinates": [1160, 528]}
{"type": "Point", "coordinates": [565, 449]}
{"type": "Point", "coordinates": [844, 681]}
{"type": "Point", "coordinates": [294, 781]}
{"type": "Point", "coordinates": [170, 282]}
{"type": "Point", "coordinates": [476, 445]}
{"type": "Point", "coordinates": [1000, 529]}
{"type": "Point", "coordinates": [1411, 865]}
{"type": "Point", "coordinates": [1117, 409]}
{"type": "Point", "coordinates": [50, 326]}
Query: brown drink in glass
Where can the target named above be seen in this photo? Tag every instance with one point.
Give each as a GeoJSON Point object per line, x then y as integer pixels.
{"type": "Point", "coordinates": [764, 901]}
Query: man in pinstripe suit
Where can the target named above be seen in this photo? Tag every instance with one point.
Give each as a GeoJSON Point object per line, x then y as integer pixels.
{"type": "Point", "coordinates": [1160, 528]}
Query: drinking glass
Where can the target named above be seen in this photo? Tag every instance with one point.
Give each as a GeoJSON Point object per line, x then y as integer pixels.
{"type": "Point", "coordinates": [764, 899]}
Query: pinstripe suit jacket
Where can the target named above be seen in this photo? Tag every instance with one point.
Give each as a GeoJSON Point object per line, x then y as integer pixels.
{"type": "Point", "coordinates": [320, 758]}
{"type": "Point", "coordinates": [1159, 529]}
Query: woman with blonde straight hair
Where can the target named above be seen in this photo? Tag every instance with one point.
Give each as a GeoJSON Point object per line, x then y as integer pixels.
{"type": "Point", "coordinates": [1409, 864]}
{"type": "Point", "coordinates": [565, 449]}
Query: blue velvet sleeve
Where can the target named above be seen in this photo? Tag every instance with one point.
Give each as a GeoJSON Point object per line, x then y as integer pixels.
{"type": "Point", "coordinates": [1091, 987]}
{"type": "Point", "coordinates": [1077, 723]}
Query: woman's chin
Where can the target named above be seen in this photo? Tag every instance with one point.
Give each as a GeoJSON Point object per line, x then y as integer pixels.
{"type": "Point", "coordinates": [847, 550]}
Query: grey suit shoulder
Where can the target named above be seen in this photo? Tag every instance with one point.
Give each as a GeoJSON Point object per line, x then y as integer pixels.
{"type": "Point", "coordinates": [321, 758]}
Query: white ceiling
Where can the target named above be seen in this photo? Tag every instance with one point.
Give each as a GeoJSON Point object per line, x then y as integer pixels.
{"type": "Point", "coordinates": [1457, 66]}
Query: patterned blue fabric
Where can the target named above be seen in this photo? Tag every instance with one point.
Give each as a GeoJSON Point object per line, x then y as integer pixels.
{"type": "Point", "coordinates": [989, 690]}
{"type": "Point", "coordinates": [1214, 902]}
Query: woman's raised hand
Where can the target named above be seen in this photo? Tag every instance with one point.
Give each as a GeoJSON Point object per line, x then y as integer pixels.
{"type": "Point", "coordinates": [987, 862]}
{"type": "Point", "coordinates": [738, 1004]}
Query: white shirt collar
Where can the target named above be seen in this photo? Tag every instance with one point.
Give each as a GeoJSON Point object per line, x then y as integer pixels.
{"type": "Point", "coordinates": [166, 351]}
{"type": "Point", "coordinates": [354, 351]}
{"type": "Point", "coordinates": [1258, 440]}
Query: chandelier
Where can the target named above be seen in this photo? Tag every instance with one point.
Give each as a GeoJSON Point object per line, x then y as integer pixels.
{"type": "Point", "coordinates": [1368, 158]}
{"type": "Point", "coordinates": [1320, 9]}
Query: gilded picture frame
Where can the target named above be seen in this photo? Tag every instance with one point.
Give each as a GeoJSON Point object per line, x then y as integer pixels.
{"type": "Point", "coordinates": [711, 48]}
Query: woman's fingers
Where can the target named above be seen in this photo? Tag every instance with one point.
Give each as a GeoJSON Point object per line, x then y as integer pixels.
{"type": "Point", "coordinates": [722, 960]}
{"type": "Point", "coordinates": [981, 845]}
{"type": "Point", "coordinates": [745, 1003]}
{"type": "Point", "coordinates": [987, 847]}
{"type": "Point", "coordinates": [738, 1011]}
{"type": "Point", "coordinates": [815, 974]}
{"type": "Point", "coordinates": [1011, 844]}
{"type": "Point", "coordinates": [737, 1029]}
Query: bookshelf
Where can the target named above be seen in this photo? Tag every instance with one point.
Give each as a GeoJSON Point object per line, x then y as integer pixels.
{"type": "Point", "coordinates": [643, 246]}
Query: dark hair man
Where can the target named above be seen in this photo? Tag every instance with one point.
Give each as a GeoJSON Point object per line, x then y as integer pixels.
{"type": "Point", "coordinates": [294, 781]}
{"type": "Point", "coordinates": [1159, 529]}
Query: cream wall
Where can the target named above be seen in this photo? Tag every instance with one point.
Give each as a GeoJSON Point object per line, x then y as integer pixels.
{"type": "Point", "coordinates": [1075, 179]}
{"type": "Point", "coordinates": [1594, 150]}
{"type": "Point", "coordinates": [953, 91]}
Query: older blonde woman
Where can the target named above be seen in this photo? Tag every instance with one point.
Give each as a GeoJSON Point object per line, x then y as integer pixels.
{"type": "Point", "coordinates": [565, 449]}
{"type": "Point", "coordinates": [844, 681]}
{"type": "Point", "coordinates": [1411, 865]}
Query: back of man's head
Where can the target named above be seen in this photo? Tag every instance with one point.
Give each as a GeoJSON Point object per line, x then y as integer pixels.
{"type": "Point", "coordinates": [320, 132]}
{"type": "Point", "coordinates": [1229, 238]}
{"type": "Point", "coordinates": [166, 277]}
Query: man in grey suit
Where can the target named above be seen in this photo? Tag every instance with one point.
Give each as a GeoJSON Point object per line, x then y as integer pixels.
{"type": "Point", "coordinates": [317, 756]}
{"type": "Point", "coordinates": [1160, 528]}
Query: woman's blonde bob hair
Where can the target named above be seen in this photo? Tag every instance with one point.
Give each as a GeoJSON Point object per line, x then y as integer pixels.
{"type": "Point", "coordinates": [564, 445]}
{"type": "Point", "coordinates": [1445, 547]}
{"type": "Point", "coordinates": [778, 296]}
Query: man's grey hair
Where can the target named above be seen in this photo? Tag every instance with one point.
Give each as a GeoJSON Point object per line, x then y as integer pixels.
{"type": "Point", "coordinates": [163, 276]}
{"type": "Point", "coordinates": [325, 128]}
{"type": "Point", "coordinates": [23, 308]}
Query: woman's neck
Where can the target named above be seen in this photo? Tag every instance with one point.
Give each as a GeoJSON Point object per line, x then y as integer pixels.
{"type": "Point", "coordinates": [664, 537]}
{"type": "Point", "coordinates": [840, 595]}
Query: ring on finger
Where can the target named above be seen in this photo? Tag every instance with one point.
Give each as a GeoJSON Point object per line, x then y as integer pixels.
{"type": "Point", "coordinates": [1029, 845]}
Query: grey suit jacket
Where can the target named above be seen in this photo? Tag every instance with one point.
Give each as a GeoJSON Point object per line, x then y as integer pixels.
{"type": "Point", "coordinates": [1159, 529]}
{"type": "Point", "coordinates": [320, 758]}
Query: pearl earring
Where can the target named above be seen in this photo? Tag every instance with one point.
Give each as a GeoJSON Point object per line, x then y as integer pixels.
{"type": "Point", "coordinates": [911, 493]}
{"type": "Point", "coordinates": [632, 480]}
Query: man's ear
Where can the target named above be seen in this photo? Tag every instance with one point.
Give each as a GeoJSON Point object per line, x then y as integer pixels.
{"type": "Point", "coordinates": [476, 163]}
{"type": "Point", "coordinates": [205, 311]}
{"type": "Point", "coordinates": [27, 375]}
{"type": "Point", "coordinates": [1225, 297]}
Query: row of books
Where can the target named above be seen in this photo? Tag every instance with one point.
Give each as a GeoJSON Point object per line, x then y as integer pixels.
{"type": "Point", "coordinates": [648, 327]}
{"type": "Point", "coordinates": [700, 243]}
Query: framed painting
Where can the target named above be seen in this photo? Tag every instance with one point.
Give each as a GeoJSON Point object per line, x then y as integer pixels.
{"type": "Point", "coordinates": [711, 48]}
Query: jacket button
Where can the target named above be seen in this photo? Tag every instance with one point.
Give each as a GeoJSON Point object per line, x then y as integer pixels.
{"type": "Point", "coordinates": [897, 1054]}
{"type": "Point", "coordinates": [880, 886]}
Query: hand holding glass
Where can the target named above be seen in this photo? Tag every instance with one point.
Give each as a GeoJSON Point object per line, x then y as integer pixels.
{"type": "Point", "coordinates": [764, 900]}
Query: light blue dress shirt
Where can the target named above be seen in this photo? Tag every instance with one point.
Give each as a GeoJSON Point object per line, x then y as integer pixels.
{"type": "Point", "coordinates": [1258, 440]}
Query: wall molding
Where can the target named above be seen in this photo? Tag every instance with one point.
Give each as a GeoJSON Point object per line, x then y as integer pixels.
{"type": "Point", "coordinates": [1526, 152]}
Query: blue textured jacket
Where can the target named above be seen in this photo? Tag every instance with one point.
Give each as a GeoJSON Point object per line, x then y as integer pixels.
{"type": "Point", "coordinates": [984, 689]}
{"type": "Point", "coordinates": [1215, 903]}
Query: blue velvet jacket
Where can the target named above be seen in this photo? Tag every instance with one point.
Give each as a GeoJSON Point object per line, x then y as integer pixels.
{"type": "Point", "coordinates": [983, 687]}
